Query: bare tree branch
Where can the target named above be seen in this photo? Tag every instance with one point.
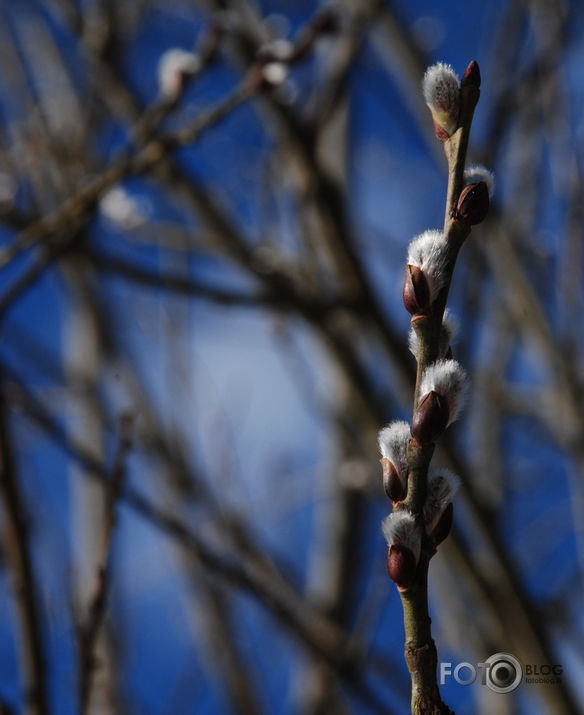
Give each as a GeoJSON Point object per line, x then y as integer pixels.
{"type": "Point", "coordinates": [27, 599]}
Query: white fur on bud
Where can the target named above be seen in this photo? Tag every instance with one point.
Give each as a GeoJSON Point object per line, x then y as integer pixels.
{"type": "Point", "coordinates": [393, 445]}
{"type": "Point", "coordinates": [477, 172]}
{"type": "Point", "coordinates": [449, 380]}
{"type": "Point", "coordinates": [441, 90]}
{"type": "Point", "coordinates": [441, 490]}
{"type": "Point", "coordinates": [447, 332]}
{"type": "Point", "coordinates": [275, 72]}
{"type": "Point", "coordinates": [400, 528]}
{"type": "Point", "coordinates": [174, 65]}
{"type": "Point", "coordinates": [413, 342]}
{"type": "Point", "coordinates": [428, 251]}
{"type": "Point", "coordinates": [447, 335]}
{"type": "Point", "coordinates": [121, 208]}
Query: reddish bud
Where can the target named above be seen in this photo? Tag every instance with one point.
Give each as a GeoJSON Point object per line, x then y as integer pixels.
{"type": "Point", "coordinates": [430, 418]}
{"type": "Point", "coordinates": [473, 203]}
{"type": "Point", "coordinates": [401, 566]}
{"type": "Point", "coordinates": [391, 482]}
{"type": "Point", "coordinates": [442, 528]}
{"type": "Point", "coordinates": [471, 76]}
{"type": "Point", "coordinates": [440, 132]}
{"type": "Point", "coordinates": [416, 293]}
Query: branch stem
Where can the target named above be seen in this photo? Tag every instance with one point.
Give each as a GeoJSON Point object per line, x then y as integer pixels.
{"type": "Point", "coordinates": [420, 650]}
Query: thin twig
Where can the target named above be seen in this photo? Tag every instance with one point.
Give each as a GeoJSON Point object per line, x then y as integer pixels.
{"type": "Point", "coordinates": [77, 206]}
{"type": "Point", "coordinates": [89, 631]}
{"type": "Point", "coordinates": [17, 549]}
{"type": "Point", "coordinates": [322, 636]}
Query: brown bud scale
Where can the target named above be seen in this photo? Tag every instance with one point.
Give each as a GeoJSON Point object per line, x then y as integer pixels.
{"type": "Point", "coordinates": [473, 203]}
{"type": "Point", "coordinates": [471, 76]}
{"type": "Point", "coordinates": [430, 419]}
{"type": "Point", "coordinates": [442, 528]}
{"type": "Point", "coordinates": [401, 566]}
{"type": "Point", "coordinates": [440, 132]}
{"type": "Point", "coordinates": [416, 292]}
{"type": "Point", "coordinates": [391, 482]}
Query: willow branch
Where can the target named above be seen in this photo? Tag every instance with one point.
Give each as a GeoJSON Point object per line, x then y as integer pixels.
{"type": "Point", "coordinates": [420, 649]}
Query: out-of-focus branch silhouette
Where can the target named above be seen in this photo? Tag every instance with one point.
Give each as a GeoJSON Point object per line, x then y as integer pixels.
{"type": "Point", "coordinates": [17, 550]}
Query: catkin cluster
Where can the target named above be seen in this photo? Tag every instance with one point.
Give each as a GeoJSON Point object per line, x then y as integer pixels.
{"type": "Point", "coordinates": [443, 384]}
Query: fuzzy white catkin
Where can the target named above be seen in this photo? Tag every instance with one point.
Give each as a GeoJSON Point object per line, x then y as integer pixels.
{"type": "Point", "coordinates": [173, 64]}
{"type": "Point", "coordinates": [441, 90]}
{"type": "Point", "coordinates": [429, 251]}
{"type": "Point", "coordinates": [275, 72]}
{"type": "Point", "coordinates": [119, 207]}
{"type": "Point", "coordinates": [393, 445]}
{"type": "Point", "coordinates": [400, 528]}
{"type": "Point", "coordinates": [447, 332]}
{"type": "Point", "coordinates": [477, 172]}
{"type": "Point", "coordinates": [442, 487]}
{"type": "Point", "coordinates": [448, 379]}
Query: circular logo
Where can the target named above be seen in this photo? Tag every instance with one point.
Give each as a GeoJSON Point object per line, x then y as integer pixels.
{"type": "Point", "coordinates": [504, 672]}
